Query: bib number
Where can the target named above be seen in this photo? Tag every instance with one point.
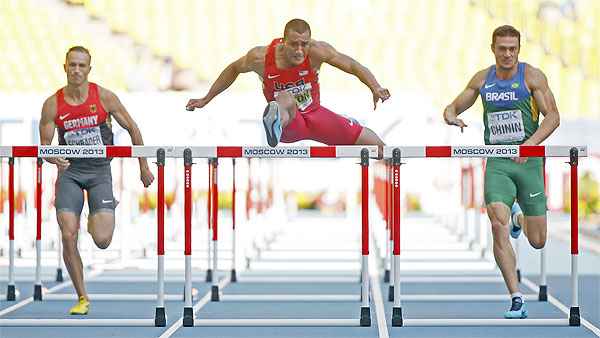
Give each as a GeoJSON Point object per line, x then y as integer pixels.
{"type": "Point", "coordinates": [302, 95]}
{"type": "Point", "coordinates": [506, 126]}
{"type": "Point", "coordinates": [84, 137]}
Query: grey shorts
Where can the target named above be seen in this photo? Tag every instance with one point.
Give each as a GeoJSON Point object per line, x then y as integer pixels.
{"type": "Point", "coordinates": [97, 181]}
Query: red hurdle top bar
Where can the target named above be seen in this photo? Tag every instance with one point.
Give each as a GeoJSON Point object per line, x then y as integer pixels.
{"type": "Point", "coordinates": [484, 151]}
{"type": "Point", "coordinates": [290, 152]}
{"type": "Point", "coordinates": [197, 152]}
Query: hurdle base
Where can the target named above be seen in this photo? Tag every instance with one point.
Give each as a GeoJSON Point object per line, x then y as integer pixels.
{"type": "Point", "coordinates": [214, 295]}
{"type": "Point", "coordinates": [11, 294]}
{"type": "Point", "coordinates": [59, 275]}
{"type": "Point", "coordinates": [386, 276]}
{"type": "Point", "coordinates": [543, 295]}
{"type": "Point", "coordinates": [397, 316]}
{"type": "Point", "coordinates": [574, 316]}
{"type": "Point", "coordinates": [233, 276]}
{"type": "Point", "coordinates": [37, 292]}
{"type": "Point", "coordinates": [160, 319]}
{"type": "Point", "coordinates": [391, 293]}
{"type": "Point", "coordinates": [365, 316]}
{"type": "Point", "coordinates": [188, 317]}
{"type": "Point", "coordinates": [209, 276]}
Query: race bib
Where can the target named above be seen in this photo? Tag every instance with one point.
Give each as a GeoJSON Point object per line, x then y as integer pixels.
{"type": "Point", "coordinates": [84, 137]}
{"type": "Point", "coordinates": [506, 126]}
{"type": "Point", "coordinates": [302, 95]}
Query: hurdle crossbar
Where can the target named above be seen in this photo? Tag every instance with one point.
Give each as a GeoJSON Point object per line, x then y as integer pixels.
{"type": "Point", "coordinates": [397, 153]}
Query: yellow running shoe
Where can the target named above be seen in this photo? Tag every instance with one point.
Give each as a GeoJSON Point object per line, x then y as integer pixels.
{"type": "Point", "coordinates": [81, 308]}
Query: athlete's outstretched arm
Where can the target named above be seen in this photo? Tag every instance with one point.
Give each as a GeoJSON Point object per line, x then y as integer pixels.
{"type": "Point", "coordinates": [544, 99]}
{"type": "Point", "coordinates": [326, 53]}
{"type": "Point", "coordinates": [47, 128]}
{"type": "Point", "coordinates": [464, 100]}
{"type": "Point", "coordinates": [113, 106]}
{"type": "Point", "coordinates": [245, 64]}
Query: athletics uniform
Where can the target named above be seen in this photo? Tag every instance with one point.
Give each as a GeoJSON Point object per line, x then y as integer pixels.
{"type": "Point", "coordinates": [510, 117]}
{"type": "Point", "coordinates": [84, 124]}
{"type": "Point", "coordinates": [312, 121]}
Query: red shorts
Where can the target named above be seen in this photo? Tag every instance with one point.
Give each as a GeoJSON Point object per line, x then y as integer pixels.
{"type": "Point", "coordinates": [322, 125]}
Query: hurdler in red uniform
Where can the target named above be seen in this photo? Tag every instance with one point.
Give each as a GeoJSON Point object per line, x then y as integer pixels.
{"type": "Point", "coordinates": [289, 69]}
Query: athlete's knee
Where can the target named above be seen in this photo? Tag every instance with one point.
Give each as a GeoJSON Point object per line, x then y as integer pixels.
{"type": "Point", "coordinates": [286, 101]}
{"type": "Point", "coordinates": [499, 229]}
{"type": "Point", "coordinates": [537, 240]}
{"type": "Point", "coordinates": [102, 241]}
{"type": "Point", "coordinates": [368, 137]}
{"type": "Point", "coordinates": [69, 237]}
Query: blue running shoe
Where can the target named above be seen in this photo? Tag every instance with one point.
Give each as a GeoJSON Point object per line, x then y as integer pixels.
{"type": "Point", "coordinates": [515, 227]}
{"type": "Point", "coordinates": [272, 123]}
{"type": "Point", "coordinates": [517, 309]}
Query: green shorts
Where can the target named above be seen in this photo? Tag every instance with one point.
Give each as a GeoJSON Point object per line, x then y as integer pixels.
{"type": "Point", "coordinates": [506, 180]}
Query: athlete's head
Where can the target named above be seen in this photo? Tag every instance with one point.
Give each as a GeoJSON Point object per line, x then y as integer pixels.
{"type": "Point", "coordinates": [506, 43]}
{"type": "Point", "coordinates": [77, 65]}
{"type": "Point", "coordinates": [296, 41]}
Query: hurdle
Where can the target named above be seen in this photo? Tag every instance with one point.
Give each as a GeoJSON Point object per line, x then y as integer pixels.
{"type": "Point", "coordinates": [41, 152]}
{"type": "Point", "coordinates": [398, 153]}
{"type": "Point", "coordinates": [364, 153]}
{"type": "Point", "coordinates": [431, 257]}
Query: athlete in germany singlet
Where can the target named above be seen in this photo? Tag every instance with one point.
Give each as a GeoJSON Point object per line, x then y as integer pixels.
{"type": "Point", "coordinates": [84, 124]}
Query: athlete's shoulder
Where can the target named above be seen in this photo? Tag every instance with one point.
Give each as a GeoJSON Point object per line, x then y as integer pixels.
{"type": "Point", "coordinates": [478, 80]}
{"type": "Point", "coordinates": [51, 100]}
{"type": "Point", "coordinates": [104, 93]}
{"type": "Point", "coordinates": [531, 71]}
{"type": "Point", "coordinates": [256, 57]}
{"type": "Point", "coordinates": [534, 77]}
{"type": "Point", "coordinates": [321, 51]}
{"type": "Point", "coordinates": [49, 107]}
{"type": "Point", "coordinates": [257, 53]}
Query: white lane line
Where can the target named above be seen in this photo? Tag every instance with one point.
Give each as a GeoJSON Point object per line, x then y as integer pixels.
{"type": "Point", "coordinates": [379, 307]}
{"type": "Point", "coordinates": [561, 306]}
{"type": "Point", "coordinates": [376, 291]}
{"type": "Point", "coordinates": [55, 288]}
{"type": "Point", "coordinates": [202, 302]}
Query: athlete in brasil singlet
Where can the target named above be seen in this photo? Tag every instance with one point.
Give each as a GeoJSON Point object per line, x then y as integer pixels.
{"type": "Point", "coordinates": [510, 116]}
{"type": "Point", "coordinates": [514, 95]}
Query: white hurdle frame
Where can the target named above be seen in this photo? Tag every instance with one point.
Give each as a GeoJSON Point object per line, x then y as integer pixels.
{"type": "Point", "coordinates": [39, 295]}
{"type": "Point", "coordinates": [397, 153]}
{"type": "Point", "coordinates": [364, 153]}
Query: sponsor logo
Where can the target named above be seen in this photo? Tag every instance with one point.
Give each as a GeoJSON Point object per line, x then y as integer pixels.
{"type": "Point", "coordinates": [275, 152]}
{"type": "Point", "coordinates": [272, 76]}
{"type": "Point", "coordinates": [506, 96]}
{"type": "Point", "coordinates": [62, 117]}
{"type": "Point", "coordinates": [504, 116]}
{"type": "Point", "coordinates": [93, 108]}
{"type": "Point", "coordinates": [490, 85]}
{"type": "Point", "coordinates": [534, 195]}
{"type": "Point", "coordinates": [106, 201]}
{"type": "Point", "coordinates": [491, 152]}
{"type": "Point", "coordinates": [515, 85]}
{"type": "Point", "coordinates": [303, 72]}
